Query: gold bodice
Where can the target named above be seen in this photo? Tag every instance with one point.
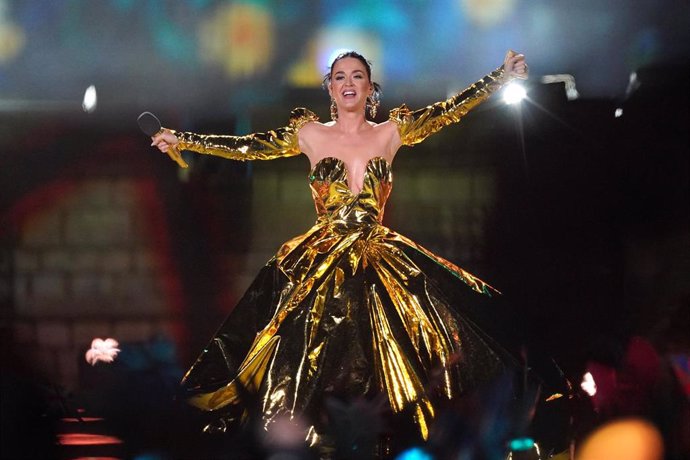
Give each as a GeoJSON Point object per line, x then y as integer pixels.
{"type": "Point", "coordinates": [337, 204]}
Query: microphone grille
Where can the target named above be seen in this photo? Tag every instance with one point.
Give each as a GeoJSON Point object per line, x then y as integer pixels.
{"type": "Point", "coordinates": [149, 123]}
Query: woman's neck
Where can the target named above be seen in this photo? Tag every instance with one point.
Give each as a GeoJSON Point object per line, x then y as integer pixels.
{"type": "Point", "coordinates": [351, 122]}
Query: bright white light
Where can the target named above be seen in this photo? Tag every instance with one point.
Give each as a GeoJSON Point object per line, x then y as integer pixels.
{"type": "Point", "coordinates": [331, 41]}
{"type": "Point", "coordinates": [90, 99]}
{"type": "Point", "coordinates": [618, 113]}
{"type": "Point", "coordinates": [633, 84]}
{"type": "Point", "coordinates": [334, 54]}
{"type": "Point", "coordinates": [102, 351]}
{"type": "Point", "coordinates": [514, 93]}
{"type": "Point", "coordinates": [588, 384]}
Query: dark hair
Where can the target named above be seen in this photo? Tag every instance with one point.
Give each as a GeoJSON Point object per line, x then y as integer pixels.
{"type": "Point", "coordinates": [376, 94]}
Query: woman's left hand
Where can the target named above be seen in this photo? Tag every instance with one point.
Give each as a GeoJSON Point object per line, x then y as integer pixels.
{"type": "Point", "coordinates": [514, 65]}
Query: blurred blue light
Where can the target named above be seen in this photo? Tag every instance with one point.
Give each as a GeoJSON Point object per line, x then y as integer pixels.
{"type": "Point", "coordinates": [521, 444]}
{"type": "Point", "coordinates": [415, 453]}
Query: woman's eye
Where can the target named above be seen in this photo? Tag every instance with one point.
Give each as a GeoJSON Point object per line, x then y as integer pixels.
{"type": "Point", "coordinates": [339, 77]}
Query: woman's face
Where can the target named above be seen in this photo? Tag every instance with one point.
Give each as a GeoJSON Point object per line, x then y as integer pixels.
{"type": "Point", "coordinates": [350, 85]}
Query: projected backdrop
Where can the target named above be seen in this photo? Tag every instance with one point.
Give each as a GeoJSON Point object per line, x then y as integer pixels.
{"type": "Point", "coordinates": [199, 51]}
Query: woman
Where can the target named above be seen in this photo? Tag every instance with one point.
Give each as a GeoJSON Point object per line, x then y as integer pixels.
{"type": "Point", "coordinates": [350, 308]}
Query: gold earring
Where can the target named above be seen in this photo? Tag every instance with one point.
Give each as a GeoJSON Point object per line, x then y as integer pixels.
{"type": "Point", "coordinates": [334, 110]}
{"type": "Point", "coordinates": [373, 105]}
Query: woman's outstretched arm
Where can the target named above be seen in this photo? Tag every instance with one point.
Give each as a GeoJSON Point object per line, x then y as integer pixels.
{"type": "Point", "coordinates": [282, 142]}
{"type": "Point", "coordinates": [415, 126]}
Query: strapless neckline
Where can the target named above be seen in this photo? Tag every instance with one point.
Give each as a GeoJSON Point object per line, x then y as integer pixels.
{"type": "Point", "coordinates": [347, 171]}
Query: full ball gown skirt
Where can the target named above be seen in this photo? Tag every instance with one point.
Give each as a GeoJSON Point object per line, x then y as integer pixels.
{"type": "Point", "coordinates": [350, 308]}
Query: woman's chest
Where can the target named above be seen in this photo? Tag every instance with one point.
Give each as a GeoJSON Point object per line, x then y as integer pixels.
{"type": "Point", "coordinates": [349, 147]}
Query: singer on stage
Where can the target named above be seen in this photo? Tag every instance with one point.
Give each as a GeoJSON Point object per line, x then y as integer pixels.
{"type": "Point", "coordinates": [349, 309]}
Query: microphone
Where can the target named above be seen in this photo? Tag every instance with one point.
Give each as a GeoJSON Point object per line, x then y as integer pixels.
{"type": "Point", "coordinates": [151, 125]}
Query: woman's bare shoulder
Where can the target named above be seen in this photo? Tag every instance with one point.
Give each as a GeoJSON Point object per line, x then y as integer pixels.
{"type": "Point", "coordinates": [312, 134]}
{"type": "Point", "coordinates": [387, 125]}
{"type": "Point", "coordinates": [314, 127]}
{"type": "Point", "coordinates": [389, 131]}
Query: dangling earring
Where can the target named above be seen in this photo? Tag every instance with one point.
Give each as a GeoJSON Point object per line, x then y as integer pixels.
{"type": "Point", "coordinates": [373, 105]}
{"type": "Point", "coordinates": [334, 110]}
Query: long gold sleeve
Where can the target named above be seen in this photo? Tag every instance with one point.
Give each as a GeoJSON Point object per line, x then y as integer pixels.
{"type": "Point", "coordinates": [415, 126]}
{"type": "Point", "coordinates": [282, 142]}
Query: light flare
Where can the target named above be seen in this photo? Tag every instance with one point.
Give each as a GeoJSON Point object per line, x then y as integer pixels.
{"type": "Point", "coordinates": [90, 99]}
{"type": "Point", "coordinates": [588, 384]}
{"type": "Point", "coordinates": [102, 351]}
{"type": "Point", "coordinates": [514, 93]}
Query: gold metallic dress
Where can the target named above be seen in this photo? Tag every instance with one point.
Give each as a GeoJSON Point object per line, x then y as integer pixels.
{"type": "Point", "coordinates": [350, 308]}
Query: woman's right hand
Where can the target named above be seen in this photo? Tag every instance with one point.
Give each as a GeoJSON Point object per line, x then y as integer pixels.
{"type": "Point", "coordinates": [515, 66]}
{"type": "Point", "coordinates": [164, 140]}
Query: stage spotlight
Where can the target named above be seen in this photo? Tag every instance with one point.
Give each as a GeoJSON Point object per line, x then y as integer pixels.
{"type": "Point", "coordinates": [334, 54]}
{"type": "Point", "coordinates": [618, 113]}
{"type": "Point", "coordinates": [633, 84]}
{"type": "Point", "coordinates": [521, 444]}
{"type": "Point", "coordinates": [523, 449]}
{"type": "Point", "coordinates": [90, 99]}
{"type": "Point", "coordinates": [414, 453]}
{"type": "Point", "coordinates": [102, 351]}
{"type": "Point", "coordinates": [331, 41]}
{"type": "Point", "coordinates": [588, 384]}
{"type": "Point", "coordinates": [514, 93]}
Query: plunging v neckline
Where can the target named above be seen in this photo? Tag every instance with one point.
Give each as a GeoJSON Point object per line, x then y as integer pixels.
{"type": "Point", "coordinates": [347, 171]}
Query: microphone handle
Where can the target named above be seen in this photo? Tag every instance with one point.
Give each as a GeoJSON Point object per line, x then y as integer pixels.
{"type": "Point", "coordinates": [175, 156]}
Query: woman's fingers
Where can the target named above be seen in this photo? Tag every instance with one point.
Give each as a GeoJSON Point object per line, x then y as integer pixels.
{"type": "Point", "coordinates": [160, 144]}
{"type": "Point", "coordinates": [515, 64]}
{"type": "Point", "coordinates": [163, 140]}
{"type": "Point", "coordinates": [517, 59]}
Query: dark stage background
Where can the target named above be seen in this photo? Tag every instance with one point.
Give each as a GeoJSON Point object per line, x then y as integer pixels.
{"type": "Point", "coordinates": [576, 207]}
